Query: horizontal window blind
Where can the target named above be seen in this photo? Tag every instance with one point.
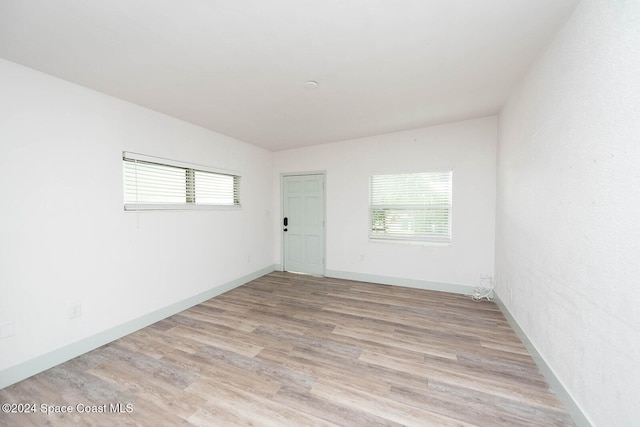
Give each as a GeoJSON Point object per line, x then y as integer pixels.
{"type": "Point", "coordinates": [216, 189]}
{"type": "Point", "coordinates": [411, 206]}
{"type": "Point", "coordinates": [151, 184]}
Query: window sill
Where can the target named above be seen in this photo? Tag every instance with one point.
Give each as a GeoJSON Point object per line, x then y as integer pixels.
{"type": "Point", "coordinates": [410, 242]}
{"type": "Point", "coordinates": [178, 207]}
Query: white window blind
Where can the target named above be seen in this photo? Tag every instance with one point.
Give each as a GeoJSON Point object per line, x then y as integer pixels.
{"type": "Point", "coordinates": [411, 207]}
{"type": "Point", "coordinates": [154, 183]}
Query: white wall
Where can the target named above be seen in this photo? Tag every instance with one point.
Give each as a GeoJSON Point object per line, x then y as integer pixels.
{"type": "Point", "coordinates": [64, 236]}
{"type": "Point", "coordinates": [568, 209]}
{"type": "Point", "coordinates": [468, 148]}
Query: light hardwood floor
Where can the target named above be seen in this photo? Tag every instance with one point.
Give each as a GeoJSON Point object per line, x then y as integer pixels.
{"type": "Point", "coordinates": [297, 350]}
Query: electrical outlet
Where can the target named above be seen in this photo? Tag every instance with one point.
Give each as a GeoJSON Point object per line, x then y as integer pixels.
{"type": "Point", "coordinates": [75, 310]}
{"type": "Point", "coordinates": [7, 329]}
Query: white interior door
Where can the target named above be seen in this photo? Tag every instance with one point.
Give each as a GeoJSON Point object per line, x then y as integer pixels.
{"type": "Point", "coordinates": [303, 224]}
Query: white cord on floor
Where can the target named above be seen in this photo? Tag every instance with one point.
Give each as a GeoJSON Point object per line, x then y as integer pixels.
{"type": "Point", "coordinates": [485, 290]}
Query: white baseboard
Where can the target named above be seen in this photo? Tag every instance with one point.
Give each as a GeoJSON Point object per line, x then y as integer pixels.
{"type": "Point", "coordinates": [38, 364]}
{"type": "Point", "coordinates": [409, 283]}
{"type": "Point", "coordinates": [576, 413]}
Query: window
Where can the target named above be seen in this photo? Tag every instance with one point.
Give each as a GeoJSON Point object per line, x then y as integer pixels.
{"type": "Point", "coordinates": [154, 183]}
{"type": "Point", "coordinates": [411, 207]}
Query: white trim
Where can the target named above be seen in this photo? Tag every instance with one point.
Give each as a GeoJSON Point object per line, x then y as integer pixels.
{"type": "Point", "coordinates": [400, 281]}
{"type": "Point", "coordinates": [416, 204]}
{"type": "Point", "coordinates": [385, 239]}
{"type": "Point", "coordinates": [173, 185]}
{"type": "Point", "coordinates": [283, 174]}
{"type": "Point", "coordinates": [324, 203]}
{"type": "Point", "coordinates": [133, 207]}
{"type": "Point", "coordinates": [41, 363]}
{"type": "Point", "coordinates": [574, 410]}
{"type": "Point", "coordinates": [177, 163]}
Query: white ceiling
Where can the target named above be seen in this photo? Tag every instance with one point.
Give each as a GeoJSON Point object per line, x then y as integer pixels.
{"type": "Point", "coordinates": [238, 66]}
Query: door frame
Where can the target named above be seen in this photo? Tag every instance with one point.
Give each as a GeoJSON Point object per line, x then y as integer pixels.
{"type": "Point", "coordinates": [324, 209]}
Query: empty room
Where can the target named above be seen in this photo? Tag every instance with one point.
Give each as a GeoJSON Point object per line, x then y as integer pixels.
{"type": "Point", "coordinates": [327, 213]}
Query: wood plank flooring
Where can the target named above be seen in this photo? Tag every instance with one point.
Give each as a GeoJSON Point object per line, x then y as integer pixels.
{"type": "Point", "coordinates": [294, 350]}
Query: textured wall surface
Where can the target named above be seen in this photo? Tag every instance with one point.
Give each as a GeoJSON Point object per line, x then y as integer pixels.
{"type": "Point", "coordinates": [467, 148]}
{"type": "Point", "coordinates": [64, 235]}
{"type": "Point", "coordinates": [568, 208]}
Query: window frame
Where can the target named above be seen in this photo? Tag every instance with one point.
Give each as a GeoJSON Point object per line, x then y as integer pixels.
{"type": "Point", "coordinates": [437, 239]}
{"type": "Point", "coordinates": [190, 195]}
